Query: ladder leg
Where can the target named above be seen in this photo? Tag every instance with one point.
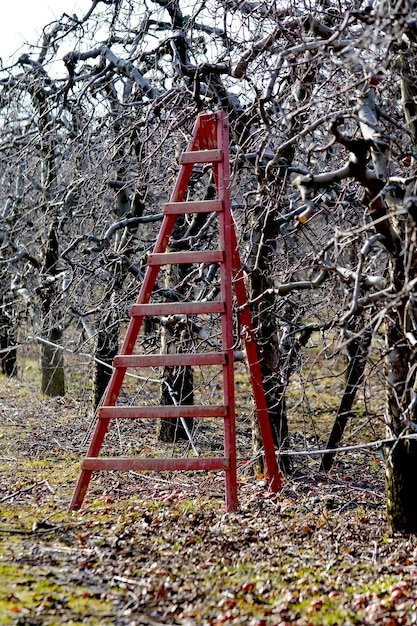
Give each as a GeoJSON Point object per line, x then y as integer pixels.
{"type": "Point", "coordinates": [80, 490]}
{"type": "Point", "coordinates": [230, 453]}
{"type": "Point", "coordinates": [222, 182]}
{"type": "Point", "coordinates": [255, 370]}
{"type": "Point", "coordinates": [85, 475]}
{"type": "Point", "coordinates": [231, 490]}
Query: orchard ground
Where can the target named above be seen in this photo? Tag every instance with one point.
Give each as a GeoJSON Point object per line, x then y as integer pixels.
{"type": "Point", "coordinates": [160, 549]}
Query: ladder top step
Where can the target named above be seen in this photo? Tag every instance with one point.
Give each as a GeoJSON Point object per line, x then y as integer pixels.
{"type": "Point", "coordinates": [198, 206]}
{"type": "Point", "coordinates": [178, 308]}
{"type": "Point", "coordinates": [162, 412]}
{"type": "Point", "coordinates": [201, 156]}
{"type": "Point", "coordinates": [170, 360]}
{"type": "Point", "coordinates": [138, 465]}
{"type": "Point", "coordinates": [189, 257]}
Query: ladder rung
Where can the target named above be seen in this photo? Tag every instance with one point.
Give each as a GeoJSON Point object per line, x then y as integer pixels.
{"type": "Point", "coordinates": [201, 156]}
{"type": "Point", "coordinates": [138, 465]}
{"type": "Point", "coordinates": [200, 206]}
{"type": "Point", "coordinates": [177, 308]}
{"type": "Point", "coordinates": [170, 360]}
{"type": "Point", "coordinates": [189, 257]}
{"type": "Point", "coordinates": [162, 411]}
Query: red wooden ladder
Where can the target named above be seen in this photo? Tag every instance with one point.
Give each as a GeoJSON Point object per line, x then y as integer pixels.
{"type": "Point", "coordinates": [209, 144]}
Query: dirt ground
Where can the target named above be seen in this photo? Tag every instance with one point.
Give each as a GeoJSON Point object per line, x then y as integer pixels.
{"type": "Point", "coordinates": [160, 549]}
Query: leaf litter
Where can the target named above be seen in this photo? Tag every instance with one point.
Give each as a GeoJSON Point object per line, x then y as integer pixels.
{"type": "Point", "coordinates": [151, 549]}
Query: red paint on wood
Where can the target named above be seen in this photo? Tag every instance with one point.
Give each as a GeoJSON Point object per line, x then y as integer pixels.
{"type": "Point", "coordinates": [178, 308]}
{"type": "Point", "coordinates": [141, 465]}
{"type": "Point", "coordinates": [197, 206]}
{"type": "Point", "coordinates": [190, 258]}
{"type": "Point", "coordinates": [170, 360]}
{"type": "Point", "coordinates": [201, 156]}
{"type": "Point", "coordinates": [162, 411]}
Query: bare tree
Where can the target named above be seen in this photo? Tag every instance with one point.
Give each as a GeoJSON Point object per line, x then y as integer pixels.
{"type": "Point", "coordinates": [321, 103]}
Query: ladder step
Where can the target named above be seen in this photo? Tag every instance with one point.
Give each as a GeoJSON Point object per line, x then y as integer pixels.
{"type": "Point", "coordinates": [200, 206]}
{"type": "Point", "coordinates": [170, 360]}
{"type": "Point", "coordinates": [201, 156]}
{"type": "Point", "coordinates": [206, 256]}
{"type": "Point", "coordinates": [138, 465]}
{"type": "Point", "coordinates": [178, 308]}
{"type": "Point", "coordinates": [162, 412]}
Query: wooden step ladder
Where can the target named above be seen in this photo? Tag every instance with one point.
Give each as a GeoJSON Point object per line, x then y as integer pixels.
{"type": "Point", "coordinates": [209, 145]}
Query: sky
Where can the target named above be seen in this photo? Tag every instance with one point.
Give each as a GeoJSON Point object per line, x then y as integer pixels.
{"type": "Point", "coordinates": [23, 20]}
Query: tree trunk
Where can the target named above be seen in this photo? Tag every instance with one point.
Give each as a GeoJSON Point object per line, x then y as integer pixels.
{"type": "Point", "coordinates": [357, 349]}
{"type": "Point", "coordinates": [401, 465]}
{"type": "Point", "coordinates": [8, 355]}
{"type": "Point", "coordinates": [266, 234]}
{"type": "Point", "coordinates": [178, 382]}
{"type": "Point", "coordinates": [401, 472]}
{"type": "Point", "coordinates": [400, 359]}
{"type": "Point", "coordinates": [177, 388]}
{"type": "Point", "coordinates": [52, 360]}
{"type": "Point", "coordinates": [52, 366]}
{"type": "Point", "coordinates": [107, 342]}
{"type": "Point", "coordinates": [269, 352]}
